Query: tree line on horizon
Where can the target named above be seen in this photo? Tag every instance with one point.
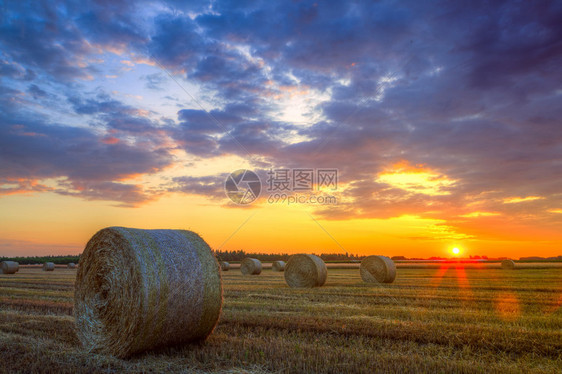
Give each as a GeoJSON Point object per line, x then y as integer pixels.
{"type": "Point", "coordinates": [30, 260]}
{"type": "Point", "coordinates": [239, 255]}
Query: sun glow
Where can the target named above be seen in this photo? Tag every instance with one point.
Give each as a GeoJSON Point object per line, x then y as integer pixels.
{"type": "Point", "coordinates": [416, 179]}
{"type": "Point", "coordinates": [456, 251]}
{"type": "Point", "coordinates": [513, 200]}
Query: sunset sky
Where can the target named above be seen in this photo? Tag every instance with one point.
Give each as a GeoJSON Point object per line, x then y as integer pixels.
{"type": "Point", "coordinates": [443, 122]}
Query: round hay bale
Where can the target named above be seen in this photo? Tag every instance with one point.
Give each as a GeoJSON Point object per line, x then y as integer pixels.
{"type": "Point", "coordinates": [305, 271]}
{"type": "Point", "coordinates": [508, 264]}
{"type": "Point", "coordinates": [9, 267]}
{"type": "Point", "coordinates": [225, 266]}
{"type": "Point", "coordinates": [141, 289]}
{"type": "Point", "coordinates": [48, 266]}
{"type": "Point", "coordinates": [278, 266]}
{"type": "Point", "coordinates": [71, 265]}
{"type": "Point", "coordinates": [379, 269]}
{"type": "Point", "coordinates": [250, 266]}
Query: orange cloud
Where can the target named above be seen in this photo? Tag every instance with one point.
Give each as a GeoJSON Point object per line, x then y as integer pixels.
{"type": "Point", "coordinates": [110, 140]}
{"type": "Point", "coordinates": [31, 134]}
{"type": "Point", "coordinates": [14, 186]}
{"type": "Point", "coordinates": [142, 60]}
{"type": "Point", "coordinates": [513, 200]}
{"type": "Point", "coordinates": [480, 214]}
{"type": "Point", "coordinates": [142, 112]}
{"type": "Point", "coordinates": [416, 179]}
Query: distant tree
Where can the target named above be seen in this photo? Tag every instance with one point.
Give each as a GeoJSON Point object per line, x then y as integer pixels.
{"type": "Point", "coordinates": [239, 255]}
{"type": "Point", "coordinates": [60, 260]}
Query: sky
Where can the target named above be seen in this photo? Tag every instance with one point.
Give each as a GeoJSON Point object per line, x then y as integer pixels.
{"type": "Point", "coordinates": [442, 122]}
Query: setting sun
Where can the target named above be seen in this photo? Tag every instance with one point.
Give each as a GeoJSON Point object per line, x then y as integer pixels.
{"type": "Point", "coordinates": [456, 251]}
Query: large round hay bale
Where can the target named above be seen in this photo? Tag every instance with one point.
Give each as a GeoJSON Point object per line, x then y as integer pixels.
{"type": "Point", "coordinates": [48, 266]}
{"type": "Point", "coordinates": [278, 266]}
{"type": "Point", "coordinates": [9, 267]}
{"type": "Point", "coordinates": [225, 266]}
{"type": "Point", "coordinates": [141, 289]}
{"type": "Point", "coordinates": [508, 264]}
{"type": "Point", "coordinates": [379, 269]}
{"type": "Point", "coordinates": [250, 266]}
{"type": "Point", "coordinates": [71, 265]}
{"type": "Point", "coordinates": [305, 271]}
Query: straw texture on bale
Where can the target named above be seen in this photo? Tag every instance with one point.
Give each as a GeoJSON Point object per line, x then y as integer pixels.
{"type": "Point", "coordinates": [9, 267]}
{"type": "Point", "coordinates": [48, 266]}
{"type": "Point", "coordinates": [141, 289]}
{"type": "Point", "coordinates": [379, 269]}
{"type": "Point", "coordinates": [250, 266]}
{"type": "Point", "coordinates": [508, 264]}
{"type": "Point", "coordinates": [71, 265]}
{"type": "Point", "coordinates": [278, 266]}
{"type": "Point", "coordinates": [305, 271]}
{"type": "Point", "coordinates": [225, 266]}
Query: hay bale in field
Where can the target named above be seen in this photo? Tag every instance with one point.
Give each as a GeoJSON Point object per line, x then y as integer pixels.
{"type": "Point", "coordinates": [278, 266]}
{"type": "Point", "coordinates": [508, 264]}
{"type": "Point", "coordinates": [250, 266]}
{"type": "Point", "coordinates": [225, 266]}
{"type": "Point", "coordinates": [141, 289]}
{"type": "Point", "coordinates": [9, 267]}
{"type": "Point", "coordinates": [379, 269]}
{"type": "Point", "coordinates": [305, 271]}
{"type": "Point", "coordinates": [71, 265]}
{"type": "Point", "coordinates": [48, 266]}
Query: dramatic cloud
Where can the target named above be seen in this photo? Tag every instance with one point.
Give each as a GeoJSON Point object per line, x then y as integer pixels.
{"type": "Point", "coordinates": [210, 186]}
{"type": "Point", "coordinates": [449, 111]}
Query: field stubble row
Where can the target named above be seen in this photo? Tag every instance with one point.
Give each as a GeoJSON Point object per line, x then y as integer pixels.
{"type": "Point", "coordinates": [445, 319]}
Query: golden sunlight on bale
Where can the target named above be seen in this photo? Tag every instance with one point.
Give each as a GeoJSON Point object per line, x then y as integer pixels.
{"type": "Point", "coordinates": [72, 265]}
{"type": "Point", "coordinates": [141, 289]}
{"type": "Point", "coordinates": [250, 266]}
{"type": "Point", "coordinates": [225, 266]}
{"type": "Point", "coordinates": [508, 264]}
{"type": "Point", "coordinates": [278, 266]}
{"type": "Point", "coordinates": [9, 267]}
{"type": "Point", "coordinates": [48, 266]}
{"type": "Point", "coordinates": [379, 269]}
{"type": "Point", "coordinates": [305, 271]}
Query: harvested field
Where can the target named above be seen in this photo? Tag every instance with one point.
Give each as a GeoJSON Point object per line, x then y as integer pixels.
{"type": "Point", "coordinates": [450, 319]}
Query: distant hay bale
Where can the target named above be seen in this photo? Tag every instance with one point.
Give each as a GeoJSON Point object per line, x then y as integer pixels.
{"type": "Point", "coordinates": [71, 265]}
{"type": "Point", "coordinates": [141, 289]}
{"type": "Point", "coordinates": [508, 264]}
{"type": "Point", "coordinates": [305, 271]}
{"type": "Point", "coordinates": [48, 266]}
{"type": "Point", "coordinates": [379, 269]}
{"type": "Point", "coordinates": [9, 267]}
{"type": "Point", "coordinates": [250, 266]}
{"type": "Point", "coordinates": [225, 266]}
{"type": "Point", "coordinates": [278, 266]}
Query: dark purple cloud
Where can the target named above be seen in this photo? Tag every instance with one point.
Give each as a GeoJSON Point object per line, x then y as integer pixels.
{"type": "Point", "coordinates": [37, 149]}
{"type": "Point", "coordinates": [469, 89]}
{"type": "Point", "coordinates": [87, 163]}
{"type": "Point", "coordinates": [210, 186]}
